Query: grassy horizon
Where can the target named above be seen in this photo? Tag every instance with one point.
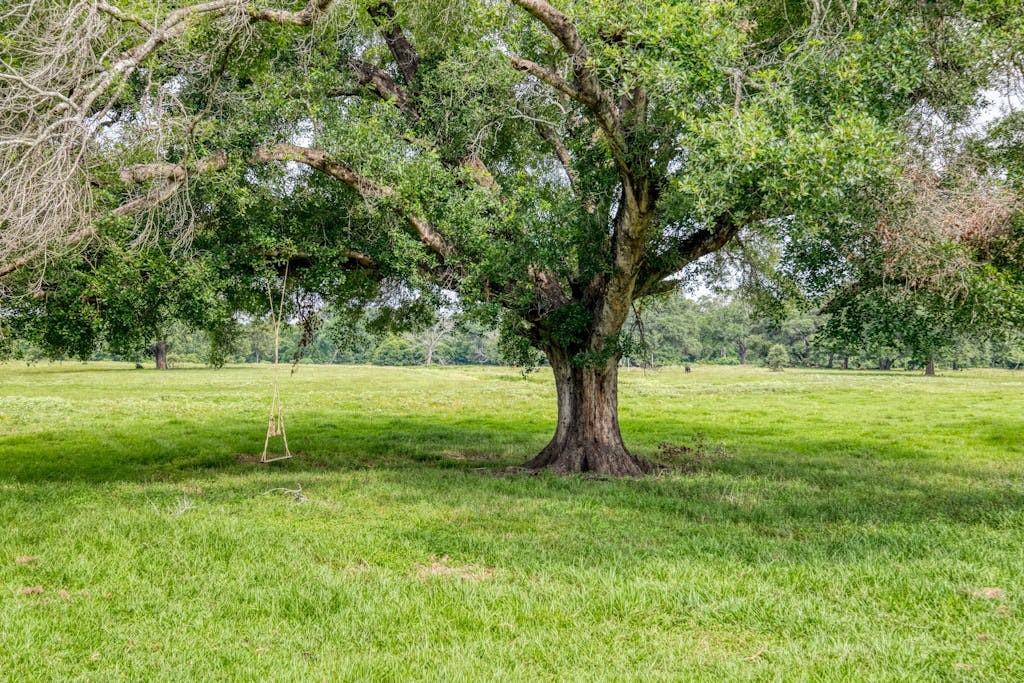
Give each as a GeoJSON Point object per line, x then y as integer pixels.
{"type": "Point", "coordinates": [863, 526]}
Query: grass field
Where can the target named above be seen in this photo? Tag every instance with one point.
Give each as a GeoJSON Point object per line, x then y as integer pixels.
{"type": "Point", "coordinates": [865, 526]}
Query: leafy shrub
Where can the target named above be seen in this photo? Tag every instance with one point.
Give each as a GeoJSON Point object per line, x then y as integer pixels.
{"type": "Point", "coordinates": [778, 358]}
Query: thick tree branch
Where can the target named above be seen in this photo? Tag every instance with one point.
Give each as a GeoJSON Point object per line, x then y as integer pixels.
{"type": "Point", "coordinates": [366, 188]}
{"type": "Point", "coordinates": [173, 175]}
{"type": "Point", "coordinates": [687, 250]}
{"type": "Point", "coordinates": [406, 57]}
{"type": "Point", "coordinates": [383, 85]}
{"type": "Point", "coordinates": [167, 171]}
{"type": "Point", "coordinates": [546, 75]}
{"type": "Point", "coordinates": [587, 89]}
{"type": "Point", "coordinates": [638, 192]}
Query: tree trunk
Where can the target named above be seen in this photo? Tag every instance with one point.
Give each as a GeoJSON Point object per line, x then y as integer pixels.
{"type": "Point", "coordinates": [846, 362]}
{"type": "Point", "coordinates": [160, 353]}
{"type": "Point", "coordinates": [741, 349]}
{"type": "Point", "coordinates": [429, 356]}
{"type": "Point", "coordinates": [831, 357]}
{"type": "Point", "coordinates": [587, 438]}
{"type": "Point", "coordinates": [929, 368]}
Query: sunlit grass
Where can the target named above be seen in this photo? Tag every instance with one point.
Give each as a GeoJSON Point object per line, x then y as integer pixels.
{"type": "Point", "coordinates": [865, 526]}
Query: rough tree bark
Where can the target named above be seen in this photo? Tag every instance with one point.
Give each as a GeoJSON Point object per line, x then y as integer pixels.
{"type": "Point", "coordinates": [929, 367]}
{"type": "Point", "coordinates": [587, 437]}
{"type": "Point", "coordinates": [160, 354]}
{"type": "Point", "coordinates": [741, 349]}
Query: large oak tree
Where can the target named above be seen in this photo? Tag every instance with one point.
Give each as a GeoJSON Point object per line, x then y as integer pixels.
{"type": "Point", "coordinates": [551, 163]}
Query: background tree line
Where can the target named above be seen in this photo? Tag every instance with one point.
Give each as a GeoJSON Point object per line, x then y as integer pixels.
{"type": "Point", "coordinates": [675, 330]}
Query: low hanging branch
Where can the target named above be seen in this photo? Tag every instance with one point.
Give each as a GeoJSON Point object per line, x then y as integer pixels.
{"type": "Point", "coordinates": [366, 188]}
{"type": "Point", "coordinates": [169, 179]}
{"type": "Point", "coordinates": [58, 98]}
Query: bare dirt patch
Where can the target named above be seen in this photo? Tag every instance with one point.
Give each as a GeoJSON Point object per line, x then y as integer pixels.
{"type": "Point", "coordinates": [466, 456]}
{"type": "Point", "coordinates": [443, 566]}
{"type": "Point", "coordinates": [25, 559]}
{"type": "Point", "coordinates": [987, 593]}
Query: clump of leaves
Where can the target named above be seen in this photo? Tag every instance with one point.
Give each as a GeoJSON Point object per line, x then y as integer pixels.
{"type": "Point", "coordinates": [697, 457]}
{"type": "Point", "coordinates": [778, 358]}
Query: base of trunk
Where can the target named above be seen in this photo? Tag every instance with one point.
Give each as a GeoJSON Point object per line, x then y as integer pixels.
{"type": "Point", "coordinates": [578, 456]}
{"type": "Point", "coordinates": [587, 438]}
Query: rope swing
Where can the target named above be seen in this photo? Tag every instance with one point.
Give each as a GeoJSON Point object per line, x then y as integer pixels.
{"type": "Point", "coordinates": [275, 423]}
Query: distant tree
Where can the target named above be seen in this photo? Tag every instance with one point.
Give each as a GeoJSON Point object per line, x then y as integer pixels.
{"type": "Point", "coordinates": [948, 271]}
{"type": "Point", "coordinates": [778, 357]}
{"type": "Point", "coordinates": [729, 327]}
{"type": "Point", "coordinates": [126, 301]}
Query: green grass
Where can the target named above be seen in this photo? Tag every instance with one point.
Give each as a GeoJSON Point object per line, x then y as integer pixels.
{"type": "Point", "coordinates": [848, 536]}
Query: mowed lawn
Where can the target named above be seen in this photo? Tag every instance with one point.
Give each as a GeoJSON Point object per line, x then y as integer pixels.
{"type": "Point", "coordinates": [865, 526]}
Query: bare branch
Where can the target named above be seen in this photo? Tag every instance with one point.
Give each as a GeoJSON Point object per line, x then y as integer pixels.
{"type": "Point", "coordinates": [173, 177]}
{"type": "Point", "coordinates": [120, 15]}
{"type": "Point", "coordinates": [73, 239]}
{"type": "Point", "coordinates": [58, 98]}
{"type": "Point", "coordinates": [303, 17]}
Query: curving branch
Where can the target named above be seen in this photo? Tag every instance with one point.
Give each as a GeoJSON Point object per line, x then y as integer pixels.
{"type": "Point", "coordinates": [174, 176]}
{"type": "Point", "coordinates": [587, 88]}
{"type": "Point", "coordinates": [546, 75]}
{"type": "Point", "coordinates": [686, 250]}
{"type": "Point", "coordinates": [366, 188]}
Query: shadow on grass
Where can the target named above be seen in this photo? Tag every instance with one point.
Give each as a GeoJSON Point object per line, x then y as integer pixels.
{"type": "Point", "coordinates": [774, 486]}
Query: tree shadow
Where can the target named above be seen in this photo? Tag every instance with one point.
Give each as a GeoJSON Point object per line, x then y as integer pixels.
{"type": "Point", "coordinates": [777, 481]}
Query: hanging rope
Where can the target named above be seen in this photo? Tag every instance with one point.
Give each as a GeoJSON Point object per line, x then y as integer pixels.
{"type": "Point", "coordinates": [275, 424]}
